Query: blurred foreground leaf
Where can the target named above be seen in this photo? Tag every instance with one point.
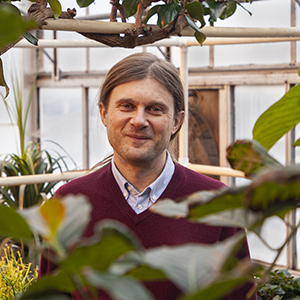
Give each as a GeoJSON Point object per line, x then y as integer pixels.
{"type": "Point", "coordinates": [12, 24]}
{"type": "Point", "coordinates": [2, 79]}
{"type": "Point", "coordinates": [76, 217]}
{"type": "Point", "coordinates": [249, 157]}
{"type": "Point", "coordinates": [278, 119]}
{"type": "Point", "coordinates": [204, 261]}
{"type": "Point", "coordinates": [101, 250]}
{"type": "Point", "coordinates": [119, 288]}
{"type": "Point", "coordinates": [12, 224]}
{"type": "Point", "coordinates": [50, 287]}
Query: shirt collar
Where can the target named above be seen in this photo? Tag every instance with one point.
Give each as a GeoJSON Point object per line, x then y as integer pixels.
{"type": "Point", "coordinates": [156, 188]}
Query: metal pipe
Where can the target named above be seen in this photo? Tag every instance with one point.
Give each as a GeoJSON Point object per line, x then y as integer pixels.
{"type": "Point", "coordinates": [174, 41]}
{"type": "Point", "coordinates": [36, 179]}
{"type": "Point", "coordinates": [116, 28]}
{"type": "Point", "coordinates": [32, 179]}
{"type": "Point", "coordinates": [184, 132]}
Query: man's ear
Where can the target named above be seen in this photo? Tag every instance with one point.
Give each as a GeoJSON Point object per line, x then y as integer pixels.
{"type": "Point", "coordinates": [178, 120]}
{"type": "Point", "coordinates": [103, 114]}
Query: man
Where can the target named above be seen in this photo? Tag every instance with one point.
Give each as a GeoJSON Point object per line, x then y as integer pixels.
{"type": "Point", "coordinates": [142, 106]}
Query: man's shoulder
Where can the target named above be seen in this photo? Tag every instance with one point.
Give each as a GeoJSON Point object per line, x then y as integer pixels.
{"type": "Point", "coordinates": [86, 183]}
{"type": "Point", "coordinates": [196, 180]}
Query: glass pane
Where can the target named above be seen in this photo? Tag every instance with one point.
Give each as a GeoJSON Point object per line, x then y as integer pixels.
{"type": "Point", "coordinates": [61, 122]}
{"type": "Point", "coordinates": [99, 145]}
{"type": "Point", "coordinates": [274, 233]}
{"type": "Point", "coordinates": [250, 103]}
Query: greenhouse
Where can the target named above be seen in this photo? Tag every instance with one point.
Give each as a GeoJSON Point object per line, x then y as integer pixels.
{"type": "Point", "coordinates": [248, 61]}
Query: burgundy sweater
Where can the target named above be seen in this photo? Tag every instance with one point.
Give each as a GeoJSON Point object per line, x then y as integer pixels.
{"type": "Point", "coordinates": [152, 229]}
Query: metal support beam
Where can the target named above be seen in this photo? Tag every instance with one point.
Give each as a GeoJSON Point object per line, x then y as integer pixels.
{"type": "Point", "coordinates": [85, 127]}
{"type": "Point", "coordinates": [184, 132]}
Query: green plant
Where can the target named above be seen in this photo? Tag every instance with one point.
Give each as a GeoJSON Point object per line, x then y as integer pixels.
{"type": "Point", "coordinates": [33, 161]}
{"type": "Point", "coordinates": [15, 275]}
{"type": "Point", "coordinates": [280, 286]}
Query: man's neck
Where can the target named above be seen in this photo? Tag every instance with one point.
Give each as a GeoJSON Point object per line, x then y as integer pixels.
{"type": "Point", "coordinates": [141, 176]}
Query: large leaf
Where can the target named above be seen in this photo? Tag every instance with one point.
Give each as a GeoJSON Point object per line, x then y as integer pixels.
{"type": "Point", "coordinates": [77, 216]}
{"type": "Point", "coordinates": [12, 24]}
{"type": "Point", "coordinates": [50, 285]}
{"type": "Point", "coordinates": [224, 208]}
{"type": "Point", "coordinates": [167, 13]}
{"type": "Point", "coordinates": [274, 190]}
{"type": "Point", "coordinates": [56, 7]}
{"type": "Point", "coordinates": [2, 80]}
{"type": "Point", "coordinates": [101, 252]}
{"type": "Point", "coordinates": [12, 224]}
{"type": "Point", "coordinates": [278, 119]}
{"type": "Point", "coordinates": [124, 288]}
{"type": "Point", "coordinates": [84, 3]}
{"type": "Point", "coordinates": [196, 11]}
{"type": "Point", "coordinates": [249, 157]}
{"type": "Point", "coordinates": [130, 7]}
{"type": "Point", "coordinates": [199, 264]}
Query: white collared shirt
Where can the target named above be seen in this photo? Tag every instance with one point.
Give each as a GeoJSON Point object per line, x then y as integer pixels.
{"type": "Point", "coordinates": [139, 202]}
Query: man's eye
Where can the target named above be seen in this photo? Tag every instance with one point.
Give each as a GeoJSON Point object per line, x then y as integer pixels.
{"type": "Point", "coordinates": [156, 109]}
{"type": "Point", "coordinates": [126, 106]}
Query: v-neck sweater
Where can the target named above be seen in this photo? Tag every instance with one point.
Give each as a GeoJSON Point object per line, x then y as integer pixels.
{"type": "Point", "coordinates": [152, 229]}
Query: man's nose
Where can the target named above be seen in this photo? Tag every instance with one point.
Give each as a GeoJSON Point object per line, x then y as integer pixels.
{"type": "Point", "coordinates": [139, 118]}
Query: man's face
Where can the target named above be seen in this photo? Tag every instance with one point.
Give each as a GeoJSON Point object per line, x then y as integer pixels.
{"type": "Point", "coordinates": [140, 121]}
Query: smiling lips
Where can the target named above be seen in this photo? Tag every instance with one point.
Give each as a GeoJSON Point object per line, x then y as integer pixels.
{"type": "Point", "coordinates": [140, 137]}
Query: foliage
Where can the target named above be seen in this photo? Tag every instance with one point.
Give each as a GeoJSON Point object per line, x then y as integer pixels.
{"type": "Point", "coordinates": [279, 119]}
{"type": "Point", "coordinates": [34, 161]}
{"type": "Point", "coordinates": [15, 276]}
{"type": "Point", "coordinates": [280, 286]}
{"type": "Point", "coordinates": [13, 26]}
{"type": "Point", "coordinates": [31, 160]}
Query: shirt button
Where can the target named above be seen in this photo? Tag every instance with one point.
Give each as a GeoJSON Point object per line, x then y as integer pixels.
{"type": "Point", "coordinates": [125, 194]}
{"type": "Point", "coordinates": [154, 198]}
{"type": "Point", "coordinates": [140, 207]}
{"type": "Point", "coordinates": [129, 188]}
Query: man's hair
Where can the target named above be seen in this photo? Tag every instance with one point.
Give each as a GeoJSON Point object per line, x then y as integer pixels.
{"type": "Point", "coordinates": [140, 66]}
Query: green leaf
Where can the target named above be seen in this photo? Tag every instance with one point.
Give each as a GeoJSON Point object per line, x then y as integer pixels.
{"type": "Point", "coordinates": [218, 289]}
{"type": "Point", "coordinates": [84, 3]}
{"type": "Point", "coordinates": [50, 285]}
{"type": "Point", "coordinates": [297, 143]}
{"type": "Point", "coordinates": [12, 24]}
{"type": "Point", "coordinates": [167, 13]}
{"type": "Point", "coordinates": [56, 7]}
{"type": "Point", "coordinates": [274, 190]}
{"type": "Point", "coordinates": [124, 288]}
{"type": "Point", "coordinates": [154, 10]}
{"type": "Point", "coordinates": [12, 224]}
{"type": "Point", "coordinates": [196, 11]}
{"type": "Point", "coordinates": [130, 7]}
{"type": "Point", "coordinates": [229, 11]}
{"type": "Point", "coordinates": [199, 35]}
{"type": "Point", "coordinates": [278, 119]}
{"type": "Point", "coordinates": [249, 157]}
{"type": "Point", "coordinates": [204, 261]}
{"type": "Point", "coordinates": [77, 216]}
{"type": "Point", "coordinates": [217, 8]}
{"type": "Point", "coordinates": [2, 80]}
{"type": "Point", "coordinates": [99, 253]}
{"type": "Point", "coordinates": [30, 38]}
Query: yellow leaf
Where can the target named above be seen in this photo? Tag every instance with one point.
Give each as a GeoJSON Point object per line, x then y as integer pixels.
{"type": "Point", "coordinates": [53, 212]}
